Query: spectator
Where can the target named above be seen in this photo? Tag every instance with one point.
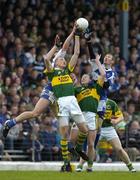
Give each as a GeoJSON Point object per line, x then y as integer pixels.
{"type": "Point", "coordinates": [50, 140]}
{"type": "Point", "coordinates": [131, 110]}
{"type": "Point", "coordinates": [133, 139]}
{"type": "Point", "coordinates": [31, 143]}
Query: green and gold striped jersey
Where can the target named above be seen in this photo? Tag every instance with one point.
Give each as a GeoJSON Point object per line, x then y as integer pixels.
{"type": "Point", "coordinates": [112, 111]}
{"type": "Point", "coordinates": [88, 97]}
{"type": "Point", "coordinates": [61, 81]}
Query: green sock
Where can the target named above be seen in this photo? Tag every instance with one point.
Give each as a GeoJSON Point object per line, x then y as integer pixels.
{"type": "Point", "coordinates": [65, 152]}
{"type": "Point", "coordinates": [130, 166]}
{"type": "Point", "coordinates": [80, 166]}
{"type": "Point", "coordinates": [80, 140]}
{"type": "Point", "coordinates": [90, 163]}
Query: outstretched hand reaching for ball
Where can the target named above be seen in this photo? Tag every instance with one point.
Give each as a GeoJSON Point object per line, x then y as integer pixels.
{"type": "Point", "coordinates": [57, 41]}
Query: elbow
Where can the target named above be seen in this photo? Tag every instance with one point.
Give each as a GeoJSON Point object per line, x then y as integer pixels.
{"type": "Point", "coordinates": [122, 118]}
{"type": "Point", "coordinates": [103, 74]}
{"type": "Point", "coordinates": [64, 47]}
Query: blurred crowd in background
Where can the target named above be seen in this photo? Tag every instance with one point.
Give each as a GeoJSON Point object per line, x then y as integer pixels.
{"type": "Point", "coordinates": [27, 31]}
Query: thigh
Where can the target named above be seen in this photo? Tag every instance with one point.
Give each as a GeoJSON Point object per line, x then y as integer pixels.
{"type": "Point", "coordinates": [54, 108]}
{"type": "Point", "coordinates": [108, 133]}
{"type": "Point", "coordinates": [63, 121]}
{"type": "Point", "coordinates": [90, 119]}
{"type": "Point", "coordinates": [116, 143]}
{"type": "Point", "coordinates": [41, 105]}
{"type": "Point", "coordinates": [78, 119]}
{"type": "Point", "coordinates": [48, 94]}
{"type": "Point", "coordinates": [63, 108]}
{"type": "Point", "coordinates": [74, 107]}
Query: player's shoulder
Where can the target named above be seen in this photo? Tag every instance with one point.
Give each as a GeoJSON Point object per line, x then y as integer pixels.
{"type": "Point", "coordinates": [78, 89]}
{"type": "Point", "coordinates": [112, 102]}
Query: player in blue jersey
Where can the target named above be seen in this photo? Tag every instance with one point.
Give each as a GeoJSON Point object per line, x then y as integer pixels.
{"type": "Point", "coordinates": [47, 96]}
{"type": "Point", "coordinates": [109, 80]}
{"type": "Point", "coordinates": [110, 74]}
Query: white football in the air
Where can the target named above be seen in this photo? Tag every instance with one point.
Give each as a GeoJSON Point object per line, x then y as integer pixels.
{"type": "Point", "coordinates": [82, 24]}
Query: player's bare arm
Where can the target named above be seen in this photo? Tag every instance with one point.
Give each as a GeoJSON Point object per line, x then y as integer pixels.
{"type": "Point", "coordinates": [115, 121]}
{"type": "Point", "coordinates": [50, 54]}
{"type": "Point", "coordinates": [68, 40]}
{"type": "Point", "coordinates": [74, 58]}
{"type": "Point", "coordinates": [101, 68]}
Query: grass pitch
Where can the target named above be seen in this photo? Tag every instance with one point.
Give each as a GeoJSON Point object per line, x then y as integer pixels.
{"type": "Point", "coordinates": [42, 175]}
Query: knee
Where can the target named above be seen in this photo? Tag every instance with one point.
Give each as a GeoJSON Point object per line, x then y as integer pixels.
{"type": "Point", "coordinates": [64, 132]}
{"type": "Point", "coordinates": [119, 150]}
{"type": "Point", "coordinates": [84, 129]}
{"type": "Point", "coordinates": [35, 114]}
{"type": "Point", "coordinates": [90, 145]}
{"type": "Point", "coordinates": [64, 136]}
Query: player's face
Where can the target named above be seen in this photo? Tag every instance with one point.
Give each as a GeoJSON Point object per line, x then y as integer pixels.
{"type": "Point", "coordinates": [85, 79]}
{"type": "Point", "coordinates": [108, 59]}
{"type": "Point", "coordinates": [61, 63]}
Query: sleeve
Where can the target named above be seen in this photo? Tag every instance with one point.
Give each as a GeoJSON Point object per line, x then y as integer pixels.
{"type": "Point", "coordinates": [100, 81]}
{"type": "Point", "coordinates": [49, 74]}
{"type": "Point", "coordinates": [46, 71]}
{"type": "Point", "coordinates": [91, 53]}
{"type": "Point", "coordinates": [70, 69]}
{"type": "Point", "coordinates": [117, 112]}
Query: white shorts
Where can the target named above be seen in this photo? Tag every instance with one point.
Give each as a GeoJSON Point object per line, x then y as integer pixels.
{"type": "Point", "coordinates": [90, 119]}
{"type": "Point", "coordinates": [108, 133]}
{"type": "Point", "coordinates": [68, 107]}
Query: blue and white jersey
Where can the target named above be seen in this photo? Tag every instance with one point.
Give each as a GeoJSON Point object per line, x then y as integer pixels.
{"type": "Point", "coordinates": [47, 93]}
{"type": "Point", "coordinates": [110, 76]}
{"type": "Point", "coordinates": [109, 79]}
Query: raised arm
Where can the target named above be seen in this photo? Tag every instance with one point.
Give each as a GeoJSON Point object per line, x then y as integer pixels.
{"type": "Point", "coordinates": [91, 53]}
{"type": "Point", "coordinates": [48, 64]}
{"type": "Point", "coordinates": [87, 36]}
{"type": "Point", "coordinates": [74, 58]}
{"type": "Point", "coordinates": [101, 68]}
{"type": "Point", "coordinates": [68, 40]}
{"type": "Point", "coordinates": [48, 57]}
{"type": "Point", "coordinates": [101, 78]}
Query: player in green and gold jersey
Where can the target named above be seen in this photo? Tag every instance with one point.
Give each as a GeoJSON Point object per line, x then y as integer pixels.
{"type": "Point", "coordinates": [88, 96]}
{"type": "Point", "coordinates": [63, 89]}
{"type": "Point", "coordinates": [112, 117]}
